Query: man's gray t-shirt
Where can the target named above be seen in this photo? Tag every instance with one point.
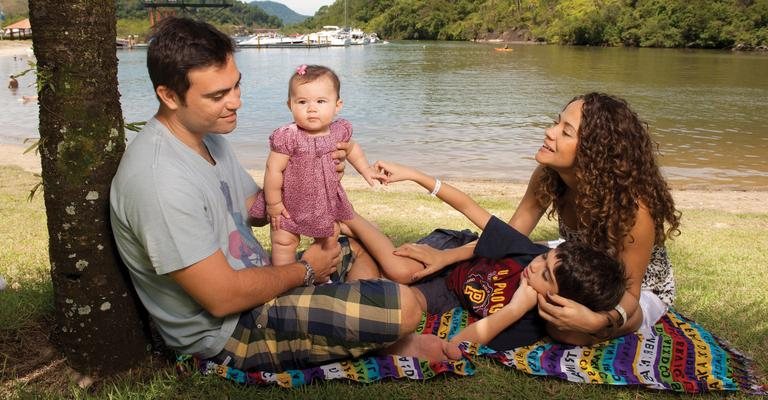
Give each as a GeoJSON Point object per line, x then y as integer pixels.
{"type": "Point", "coordinates": [170, 208]}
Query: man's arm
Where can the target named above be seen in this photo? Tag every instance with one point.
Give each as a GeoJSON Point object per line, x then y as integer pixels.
{"type": "Point", "coordinates": [222, 290]}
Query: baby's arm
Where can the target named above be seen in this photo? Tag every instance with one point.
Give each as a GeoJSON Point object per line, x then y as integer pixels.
{"type": "Point", "coordinates": [357, 158]}
{"type": "Point", "coordinates": [484, 330]}
{"type": "Point", "coordinates": [273, 185]}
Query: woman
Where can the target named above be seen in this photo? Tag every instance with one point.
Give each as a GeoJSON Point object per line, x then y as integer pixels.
{"type": "Point", "coordinates": [597, 169]}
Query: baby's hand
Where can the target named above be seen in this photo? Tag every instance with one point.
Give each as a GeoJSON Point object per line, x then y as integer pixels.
{"type": "Point", "coordinates": [372, 176]}
{"type": "Point", "coordinates": [275, 211]}
{"type": "Point", "coordinates": [388, 172]}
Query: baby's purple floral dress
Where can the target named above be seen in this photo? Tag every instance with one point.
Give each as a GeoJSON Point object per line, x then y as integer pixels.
{"type": "Point", "coordinates": [312, 193]}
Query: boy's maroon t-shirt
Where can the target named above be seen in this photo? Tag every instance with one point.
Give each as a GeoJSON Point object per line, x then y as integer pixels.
{"type": "Point", "coordinates": [484, 285]}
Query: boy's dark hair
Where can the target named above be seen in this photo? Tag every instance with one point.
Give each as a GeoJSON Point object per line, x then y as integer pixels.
{"type": "Point", "coordinates": [590, 277]}
{"type": "Point", "coordinates": [179, 45]}
{"type": "Point", "coordinates": [311, 73]}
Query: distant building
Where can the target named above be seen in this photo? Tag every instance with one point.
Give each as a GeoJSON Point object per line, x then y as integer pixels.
{"type": "Point", "coordinates": [18, 30]}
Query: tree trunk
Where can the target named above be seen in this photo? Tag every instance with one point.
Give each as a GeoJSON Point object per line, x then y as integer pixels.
{"type": "Point", "coordinates": [99, 326]}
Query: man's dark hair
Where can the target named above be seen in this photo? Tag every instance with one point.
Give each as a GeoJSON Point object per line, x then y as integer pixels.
{"type": "Point", "coordinates": [590, 277]}
{"type": "Point", "coordinates": [179, 45]}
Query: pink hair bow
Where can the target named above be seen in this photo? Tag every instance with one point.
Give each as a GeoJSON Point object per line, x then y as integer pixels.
{"type": "Point", "coordinates": [302, 69]}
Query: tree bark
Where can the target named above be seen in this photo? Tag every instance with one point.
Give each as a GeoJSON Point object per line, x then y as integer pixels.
{"type": "Point", "coordinates": [99, 325]}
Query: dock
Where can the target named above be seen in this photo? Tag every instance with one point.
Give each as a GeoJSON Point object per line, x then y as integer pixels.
{"type": "Point", "coordinates": [283, 45]}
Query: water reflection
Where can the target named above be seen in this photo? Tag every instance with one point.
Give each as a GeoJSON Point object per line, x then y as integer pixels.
{"type": "Point", "coordinates": [464, 110]}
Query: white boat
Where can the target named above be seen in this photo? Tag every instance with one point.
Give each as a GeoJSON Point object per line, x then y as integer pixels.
{"type": "Point", "coordinates": [357, 36]}
{"type": "Point", "coordinates": [270, 40]}
{"type": "Point", "coordinates": [373, 38]}
{"type": "Point", "coordinates": [330, 34]}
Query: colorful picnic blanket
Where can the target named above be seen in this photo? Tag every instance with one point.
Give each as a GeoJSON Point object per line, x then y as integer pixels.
{"type": "Point", "coordinates": [680, 356]}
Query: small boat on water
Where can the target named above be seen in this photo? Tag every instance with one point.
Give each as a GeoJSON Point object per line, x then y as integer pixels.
{"type": "Point", "coordinates": [331, 35]}
{"type": "Point", "coordinates": [373, 38]}
{"type": "Point", "coordinates": [503, 49]}
{"type": "Point", "coordinates": [357, 36]}
{"type": "Point", "coordinates": [279, 41]}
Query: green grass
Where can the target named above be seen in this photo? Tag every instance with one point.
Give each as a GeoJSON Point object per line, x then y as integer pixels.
{"type": "Point", "coordinates": [720, 265]}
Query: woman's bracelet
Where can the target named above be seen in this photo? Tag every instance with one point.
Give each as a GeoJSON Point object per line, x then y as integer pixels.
{"type": "Point", "coordinates": [436, 189]}
{"type": "Point", "coordinates": [622, 315]}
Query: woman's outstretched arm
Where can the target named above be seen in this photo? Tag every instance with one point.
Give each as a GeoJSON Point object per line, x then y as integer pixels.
{"type": "Point", "coordinates": [450, 195]}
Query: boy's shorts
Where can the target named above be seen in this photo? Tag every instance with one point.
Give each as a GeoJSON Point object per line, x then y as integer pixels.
{"type": "Point", "coordinates": [314, 325]}
{"type": "Point", "coordinates": [439, 298]}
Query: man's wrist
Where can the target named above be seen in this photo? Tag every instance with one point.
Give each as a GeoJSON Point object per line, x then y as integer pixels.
{"type": "Point", "coordinates": [309, 273]}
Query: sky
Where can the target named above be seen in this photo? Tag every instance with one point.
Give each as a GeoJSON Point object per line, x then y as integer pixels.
{"type": "Point", "coordinates": [305, 7]}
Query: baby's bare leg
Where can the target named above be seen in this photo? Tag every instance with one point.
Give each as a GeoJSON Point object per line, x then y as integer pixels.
{"type": "Point", "coordinates": [284, 246]}
{"type": "Point", "coordinates": [397, 268]}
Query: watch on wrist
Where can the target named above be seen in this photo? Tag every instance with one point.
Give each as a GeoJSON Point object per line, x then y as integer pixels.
{"type": "Point", "coordinates": [309, 276]}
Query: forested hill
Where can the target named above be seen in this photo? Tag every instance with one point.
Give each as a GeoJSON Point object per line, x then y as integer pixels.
{"type": "Point", "coordinates": [240, 14]}
{"type": "Point", "coordinates": [645, 23]}
{"type": "Point", "coordinates": [279, 10]}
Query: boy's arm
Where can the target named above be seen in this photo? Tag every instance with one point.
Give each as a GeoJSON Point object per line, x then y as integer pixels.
{"type": "Point", "coordinates": [484, 330]}
{"type": "Point", "coordinates": [357, 158]}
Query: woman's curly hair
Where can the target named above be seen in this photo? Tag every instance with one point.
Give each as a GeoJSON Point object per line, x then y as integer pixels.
{"type": "Point", "coordinates": [615, 168]}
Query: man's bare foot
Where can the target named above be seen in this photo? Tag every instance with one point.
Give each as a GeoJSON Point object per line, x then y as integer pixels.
{"type": "Point", "coordinates": [424, 347]}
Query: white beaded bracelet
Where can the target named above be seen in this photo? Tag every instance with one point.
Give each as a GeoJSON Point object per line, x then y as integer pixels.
{"type": "Point", "coordinates": [436, 188]}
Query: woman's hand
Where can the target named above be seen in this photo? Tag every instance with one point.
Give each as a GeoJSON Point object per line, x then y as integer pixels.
{"type": "Point", "coordinates": [433, 259]}
{"type": "Point", "coordinates": [568, 315]}
{"type": "Point", "coordinates": [392, 172]}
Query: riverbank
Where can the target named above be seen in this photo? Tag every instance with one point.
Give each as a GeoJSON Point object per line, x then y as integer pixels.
{"type": "Point", "coordinates": [14, 47]}
{"type": "Point", "coordinates": [733, 201]}
{"type": "Point", "coordinates": [718, 262]}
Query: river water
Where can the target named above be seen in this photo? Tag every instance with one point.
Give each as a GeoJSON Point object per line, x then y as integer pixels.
{"type": "Point", "coordinates": [463, 110]}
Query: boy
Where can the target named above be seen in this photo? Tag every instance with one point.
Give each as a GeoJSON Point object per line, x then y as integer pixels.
{"type": "Point", "coordinates": [488, 277]}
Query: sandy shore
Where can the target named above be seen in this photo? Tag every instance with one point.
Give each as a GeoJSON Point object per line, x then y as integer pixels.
{"type": "Point", "coordinates": [722, 200]}
{"type": "Point", "coordinates": [14, 47]}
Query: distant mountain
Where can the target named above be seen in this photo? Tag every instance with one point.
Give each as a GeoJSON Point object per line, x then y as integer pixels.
{"type": "Point", "coordinates": [281, 11]}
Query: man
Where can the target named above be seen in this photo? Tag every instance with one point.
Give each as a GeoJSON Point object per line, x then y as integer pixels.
{"type": "Point", "coordinates": [13, 83]}
{"type": "Point", "coordinates": [179, 206]}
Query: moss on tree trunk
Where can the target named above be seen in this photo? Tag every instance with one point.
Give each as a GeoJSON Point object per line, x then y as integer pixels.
{"type": "Point", "coordinates": [99, 327]}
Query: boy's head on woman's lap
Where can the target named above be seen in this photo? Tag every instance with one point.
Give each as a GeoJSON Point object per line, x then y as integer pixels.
{"type": "Point", "coordinates": [577, 272]}
{"type": "Point", "coordinates": [588, 276]}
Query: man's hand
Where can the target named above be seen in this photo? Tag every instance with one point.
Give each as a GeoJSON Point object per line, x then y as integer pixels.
{"type": "Point", "coordinates": [323, 260]}
{"type": "Point", "coordinates": [340, 156]}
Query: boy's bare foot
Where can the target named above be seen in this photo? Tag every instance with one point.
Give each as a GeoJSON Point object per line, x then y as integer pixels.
{"type": "Point", "coordinates": [424, 347]}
